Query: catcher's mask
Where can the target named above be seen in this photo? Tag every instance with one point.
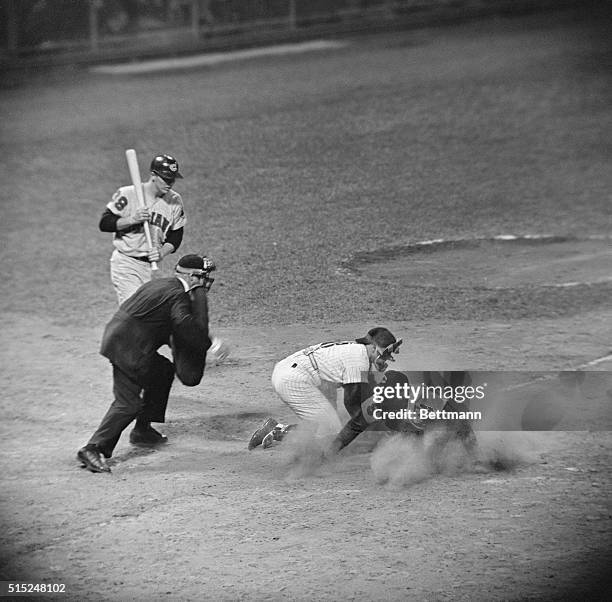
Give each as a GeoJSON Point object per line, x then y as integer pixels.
{"type": "Point", "coordinates": [386, 345]}
{"type": "Point", "coordinates": [199, 266]}
{"type": "Point", "coordinates": [386, 354]}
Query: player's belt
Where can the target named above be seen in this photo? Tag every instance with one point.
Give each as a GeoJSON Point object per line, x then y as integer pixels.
{"type": "Point", "coordinates": [144, 258]}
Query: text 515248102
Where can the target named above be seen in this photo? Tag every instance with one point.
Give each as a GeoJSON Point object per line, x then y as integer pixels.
{"type": "Point", "coordinates": [16, 588]}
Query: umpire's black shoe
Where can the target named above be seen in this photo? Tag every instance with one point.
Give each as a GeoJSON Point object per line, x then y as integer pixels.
{"type": "Point", "coordinates": [92, 459]}
{"type": "Point", "coordinates": [147, 436]}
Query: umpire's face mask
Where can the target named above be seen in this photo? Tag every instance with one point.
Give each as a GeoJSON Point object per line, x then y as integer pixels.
{"type": "Point", "coordinates": [204, 278]}
{"type": "Point", "coordinates": [208, 281]}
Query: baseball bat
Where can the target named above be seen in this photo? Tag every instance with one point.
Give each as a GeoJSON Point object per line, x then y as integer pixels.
{"type": "Point", "coordinates": [132, 161]}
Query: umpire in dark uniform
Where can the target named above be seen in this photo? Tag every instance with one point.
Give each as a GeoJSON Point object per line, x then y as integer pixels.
{"type": "Point", "coordinates": [166, 311]}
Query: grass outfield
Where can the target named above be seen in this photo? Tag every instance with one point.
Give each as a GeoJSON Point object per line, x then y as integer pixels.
{"type": "Point", "coordinates": [294, 163]}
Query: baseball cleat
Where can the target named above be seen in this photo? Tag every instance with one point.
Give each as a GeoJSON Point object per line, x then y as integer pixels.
{"type": "Point", "coordinates": [265, 429]}
{"type": "Point", "coordinates": [278, 434]}
{"type": "Point", "coordinates": [93, 460]}
{"type": "Point", "coordinates": [281, 430]}
{"type": "Point", "coordinates": [268, 440]}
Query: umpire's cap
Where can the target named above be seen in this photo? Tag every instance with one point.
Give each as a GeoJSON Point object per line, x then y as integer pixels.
{"type": "Point", "coordinates": [166, 167]}
{"type": "Point", "coordinates": [195, 263]}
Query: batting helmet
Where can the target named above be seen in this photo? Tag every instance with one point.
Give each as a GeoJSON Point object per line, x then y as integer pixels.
{"type": "Point", "coordinates": [166, 167]}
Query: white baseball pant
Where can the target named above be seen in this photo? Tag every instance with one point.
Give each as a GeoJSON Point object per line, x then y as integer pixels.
{"type": "Point", "coordinates": [128, 274]}
{"type": "Point", "coordinates": [312, 399]}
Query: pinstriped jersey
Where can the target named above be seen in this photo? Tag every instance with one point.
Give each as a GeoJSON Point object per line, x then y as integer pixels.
{"type": "Point", "coordinates": [167, 213]}
{"type": "Point", "coordinates": [341, 362]}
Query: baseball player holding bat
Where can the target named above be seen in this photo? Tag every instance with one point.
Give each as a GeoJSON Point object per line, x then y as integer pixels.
{"type": "Point", "coordinates": [307, 381]}
{"type": "Point", "coordinates": [132, 260]}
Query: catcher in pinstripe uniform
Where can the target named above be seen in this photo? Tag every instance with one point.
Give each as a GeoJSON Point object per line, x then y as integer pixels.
{"type": "Point", "coordinates": [308, 380]}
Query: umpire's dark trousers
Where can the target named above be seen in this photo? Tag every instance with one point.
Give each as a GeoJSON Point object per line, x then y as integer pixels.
{"type": "Point", "coordinates": [144, 397]}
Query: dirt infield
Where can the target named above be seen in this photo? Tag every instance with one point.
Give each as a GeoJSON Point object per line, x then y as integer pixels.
{"type": "Point", "coordinates": [203, 518]}
{"type": "Point", "coordinates": [292, 165]}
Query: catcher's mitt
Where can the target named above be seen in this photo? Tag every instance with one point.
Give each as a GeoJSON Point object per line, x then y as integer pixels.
{"type": "Point", "coordinates": [394, 404]}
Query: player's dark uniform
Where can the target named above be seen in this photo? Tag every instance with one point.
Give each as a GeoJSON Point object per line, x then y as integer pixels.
{"type": "Point", "coordinates": [160, 312]}
{"type": "Point", "coordinates": [460, 429]}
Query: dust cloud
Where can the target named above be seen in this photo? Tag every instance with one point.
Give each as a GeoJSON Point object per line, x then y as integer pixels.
{"type": "Point", "coordinates": [405, 460]}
